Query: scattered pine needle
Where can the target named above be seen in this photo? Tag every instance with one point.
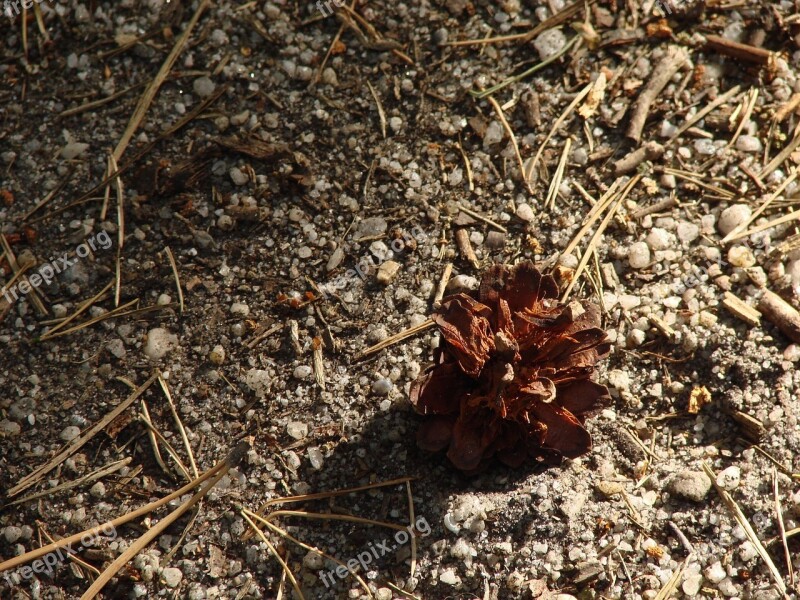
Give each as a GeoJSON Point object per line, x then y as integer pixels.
{"type": "Point", "coordinates": [154, 436]}
{"type": "Point", "coordinates": [567, 112]}
{"type": "Point", "coordinates": [596, 237]}
{"type": "Point", "coordinates": [381, 113]}
{"type": "Point", "coordinates": [737, 513]}
{"type": "Point", "coordinates": [398, 337]}
{"type": "Point", "coordinates": [267, 521]}
{"type": "Point", "coordinates": [734, 234]}
{"type": "Point", "coordinates": [537, 67]}
{"type": "Point", "coordinates": [499, 110]}
{"type": "Point", "coordinates": [555, 183]}
{"type": "Point", "coordinates": [150, 92]}
{"type": "Point", "coordinates": [702, 113]}
{"type": "Point", "coordinates": [781, 526]}
{"type": "Point", "coordinates": [81, 309]}
{"type": "Point", "coordinates": [119, 311]}
{"type": "Point", "coordinates": [480, 217]}
{"type": "Point", "coordinates": [214, 475]}
{"type": "Point", "coordinates": [78, 442]}
{"type": "Point", "coordinates": [179, 424]}
{"type": "Point", "coordinates": [276, 554]}
{"type": "Point", "coordinates": [68, 485]}
{"type": "Point", "coordinates": [226, 464]}
{"type": "Point", "coordinates": [177, 276]}
{"type": "Point", "coordinates": [672, 584]}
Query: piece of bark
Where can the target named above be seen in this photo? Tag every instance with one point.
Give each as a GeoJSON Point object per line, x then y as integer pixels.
{"type": "Point", "coordinates": [781, 314]}
{"type": "Point", "coordinates": [663, 72]}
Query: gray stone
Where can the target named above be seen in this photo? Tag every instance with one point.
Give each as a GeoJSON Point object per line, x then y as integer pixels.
{"type": "Point", "coordinates": [691, 485]}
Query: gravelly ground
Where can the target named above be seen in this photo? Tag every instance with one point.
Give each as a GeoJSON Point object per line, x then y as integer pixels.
{"type": "Point", "coordinates": [289, 179]}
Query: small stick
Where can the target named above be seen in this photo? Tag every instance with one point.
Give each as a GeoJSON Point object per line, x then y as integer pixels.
{"type": "Point", "coordinates": [665, 204]}
{"type": "Point", "coordinates": [650, 151]}
{"type": "Point", "coordinates": [664, 71]}
{"type": "Point", "coordinates": [294, 336]}
{"type": "Point", "coordinates": [781, 314]}
{"type": "Point", "coordinates": [461, 236]}
{"type": "Point", "coordinates": [318, 364]}
{"type": "Point", "coordinates": [263, 335]}
{"type": "Point", "coordinates": [741, 309]}
{"type": "Point", "coordinates": [682, 538]}
{"type": "Point", "coordinates": [745, 52]}
{"type": "Point", "coordinates": [440, 289]}
{"type": "Point", "coordinates": [788, 108]}
{"type": "Point", "coordinates": [752, 175]}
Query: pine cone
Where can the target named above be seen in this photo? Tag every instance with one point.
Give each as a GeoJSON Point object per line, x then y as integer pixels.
{"type": "Point", "coordinates": [512, 373]}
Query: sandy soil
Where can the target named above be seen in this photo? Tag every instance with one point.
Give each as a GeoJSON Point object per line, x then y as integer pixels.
{"type": "Point", "coordinates": [294, 190]}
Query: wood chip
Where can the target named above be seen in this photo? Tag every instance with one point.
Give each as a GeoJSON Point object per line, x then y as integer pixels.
{"type": "Point", "coordinates": [741, 310]}
{"type": "Point", "coordinates": [465, 247]}
{"type": "Point", "coordinates": [698, 398]}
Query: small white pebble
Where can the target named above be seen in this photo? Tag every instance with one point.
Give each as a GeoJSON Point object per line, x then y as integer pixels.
{"type": "Point", "coordinates": [240, 309]}
{"type": "Point", "coordinates": [732, 217]}
{"type": "Point", "coordinates": [639, 255]}
{"type": "Point", "coordinates": [749, 143]}
{"type": "Point", "coordinates": [70, 432]}
{"type": "Point", "coordinates": [382, 386]}
{"type": "Point", "coordinates": [237, 176]}
{"type": "Point", "coordinates": [217, 355]}
{"type": "Point", "coordinates": [728, 479]}
{"type": "Point", "coordinates": [297, 429]}
{"type": "Point", "coordinates": [525, 212]}
{"type": "Point", "coordinates": [302, 372]}
{"type": "Point", "coordinates": [715, 573]}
